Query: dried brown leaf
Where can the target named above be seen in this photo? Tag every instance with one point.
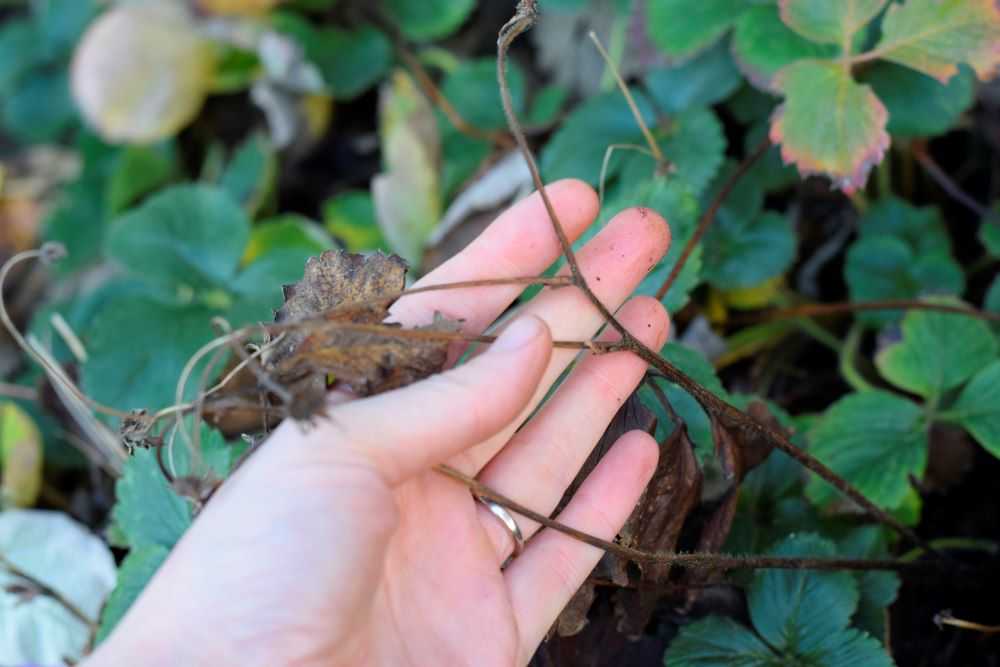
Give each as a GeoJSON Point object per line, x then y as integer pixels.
{"type": "Point", "coordinates": [349, 289]}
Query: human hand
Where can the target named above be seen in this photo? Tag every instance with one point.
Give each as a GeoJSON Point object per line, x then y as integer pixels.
{"type": "Point", "coordinates": [340, 545]}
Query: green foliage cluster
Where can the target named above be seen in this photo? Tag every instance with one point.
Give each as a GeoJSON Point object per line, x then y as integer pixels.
{"type": "Point", "coordinates": [187, 236]}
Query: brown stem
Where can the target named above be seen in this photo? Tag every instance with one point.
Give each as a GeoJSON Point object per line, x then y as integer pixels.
{"type": "Point", "coordinates": [822, 309]}
{"type": "Point", "coordinates": [729, 416]}
{"type": "Point", "coordinates": [49, 592]}
{"type": "Point", "coordinates": [934, 170]}
{"type": "Point", "coordinates": [430, 89]}
{"type": "Point", "coordinates": [694, 560]}
{"type": "Point", "coordinates": [709, 216]}
{"type": "Point", "coordinates": [18, 392]}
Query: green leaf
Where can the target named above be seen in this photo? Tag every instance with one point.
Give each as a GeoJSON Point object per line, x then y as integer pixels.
{"type": "Point", "coordinates": [687, 408]}
{"type": "Point", "coordinates": [883, 267]}
{"type": "Point", "coordinates": [429, 19]}
{"type": "Point", "coordinates": [832, 22]}
{"type": "Point", "coordinates": [744, 253]}
{"type": "Point", "coordinates": [694, 144]}
{"type": "Point", "coordinates": [851, 139]}
{"type": "Point", "coordinates": [706, 79]}
{"type": "Point", "coordinates": [878, 589]}
{"type": "Point", "coordinates": [797, 609]}
{"type": "Point", "coordinates": [138, 171]}
{"type": "Point", "coordinates": [135, 572]}
{"type": "Point", "coordinates": [577, 148]}
{"type": "Point", "coordinates": [978, 408]}
{"type": "Point", "coordinates": [763, 45]}
{"type": "Point", "coordinates": [286, 232]}
{"type": "Point", "coordinates": [989, 234]}
{"type": "Point", "coordinates": [138, 347]}
{"type": "Point", "coordinates": [680, 28]}
{"type": "Point", "coordinates": [716, 641]}
{"type": "Point", "coordinates": [472, 88]}
{"type": "Point", "coordinates": [18, 52]}
{"type": "Point", "coordinates": [674, 201]}
{"type": "Point", "coordinates": [874, 440]}
{"type": "Point", "coordinates": [934, 36]}
{"type": "Point", "coordinates": [186, 235]}
{"type": "Point", "coordinates": [61, 24]}
{"type": "Point", "coordinates": [920, 106]}
{"type": "Point", "coordinates": [250, 175]}
{"type": "Point", "coordinates": [147, 511]}
{"type": "Point", "coordinates": [351, 61]}
{"type": "Point", "coordinates": [40, 109]}
{"type": "Point", "coordinates": [350, 216]}
{"type": "Point", "coordinates": [938, 351]}
{"type": "Point", "coordinates": [546, 106]}
{"type": "Point", "coordinates": [800, 618]}
{"type": "Point", "coordinates": [921, 228]}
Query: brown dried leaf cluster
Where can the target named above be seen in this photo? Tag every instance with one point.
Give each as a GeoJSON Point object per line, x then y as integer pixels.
{"type": "Point", "coordinates": [657, 523]}
{"type": "Point", "coordinates": [333, 333]}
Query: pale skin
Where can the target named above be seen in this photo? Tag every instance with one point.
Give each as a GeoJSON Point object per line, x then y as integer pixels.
{"type": "Point", "coordinates": [339, 545]}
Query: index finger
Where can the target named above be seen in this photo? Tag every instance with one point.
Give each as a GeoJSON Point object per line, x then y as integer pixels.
{"type": "Point", "coordinates": [520, 242]}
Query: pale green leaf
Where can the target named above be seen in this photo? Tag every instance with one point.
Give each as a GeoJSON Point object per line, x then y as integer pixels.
{"type": "Point", "coordinates": [938, 351]}
{"type": "Point", "coordinates": [829, 124]}
{"type": "Point", "coordinates": [832, 22]}
{"type": "Point", "coordinates": [66, 556]}
{"type": "Point", "coordinates": [875, 440]}
{"type": "Point", "coordinates": [934, 36]}
{"type": "Point", "coordinates": [407, 195]}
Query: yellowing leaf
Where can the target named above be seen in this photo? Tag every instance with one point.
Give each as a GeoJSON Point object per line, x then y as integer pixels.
{"type": "Point", "coordinates": [826, 21]}
{"type": "Point", "coordinates": [238, 7]}
{"type": "Point", "coordinates": [141, 72]}
{"type": "Point", "coordinates": [829, 124]}
{"type": "Point", "coordinates": [408, 194]}
{"type": "Point", "coordinates": [20, 457]}
{"type": "Point", "coordinates": [933, 36]}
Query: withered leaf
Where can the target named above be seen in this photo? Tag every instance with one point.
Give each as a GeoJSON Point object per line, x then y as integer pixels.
{"type": "Point", "coordinates": [655, 523]}
{"type": "Point", "coordinates": [341, 289]}
{"type": "Point", "coordinates": [739, 451]}
{"type": "Point", "coordinates": [336, 279]}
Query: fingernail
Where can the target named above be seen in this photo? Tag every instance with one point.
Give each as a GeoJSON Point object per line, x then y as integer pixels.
{"type": "Point", "coordinates": [520, 332]}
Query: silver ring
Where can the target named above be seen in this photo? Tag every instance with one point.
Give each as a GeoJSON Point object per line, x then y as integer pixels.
{"type": "Point", "coordinates": [500, 512]}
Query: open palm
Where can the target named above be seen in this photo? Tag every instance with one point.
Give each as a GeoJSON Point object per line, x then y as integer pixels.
{"type": "Point", "coordinates": [339, 545]}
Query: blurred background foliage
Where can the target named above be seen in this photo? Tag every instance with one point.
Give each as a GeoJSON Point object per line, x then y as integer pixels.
{"type": "Point", "coordinates": [192, 154]}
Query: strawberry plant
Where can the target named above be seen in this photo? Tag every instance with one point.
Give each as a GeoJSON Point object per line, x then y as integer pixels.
{"type": "Point", "coordinates": [828, 405]}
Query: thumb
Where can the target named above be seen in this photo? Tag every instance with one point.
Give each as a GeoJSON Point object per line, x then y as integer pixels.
{"type": "Point", "coordinates": [406, 431]}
